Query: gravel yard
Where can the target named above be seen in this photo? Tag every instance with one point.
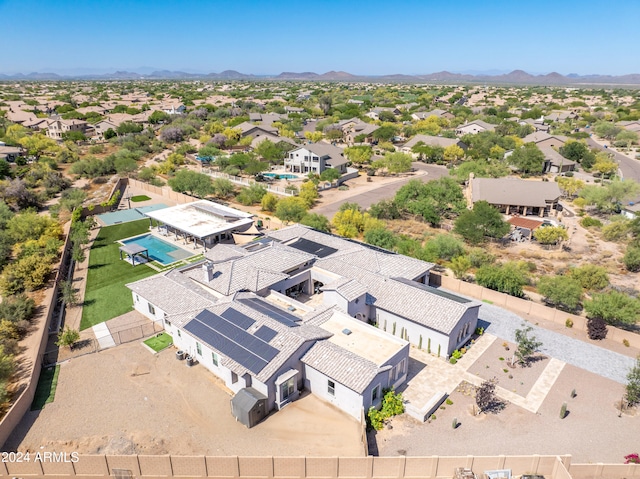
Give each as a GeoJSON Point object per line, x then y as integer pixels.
{"type": "Point", "coordinates": [591, 432]}
{"type": "Point", "coordinates": [125, 400]}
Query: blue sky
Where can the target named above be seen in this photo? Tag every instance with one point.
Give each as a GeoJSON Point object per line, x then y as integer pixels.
{"type": "Point", "coordinates": [358, 36]}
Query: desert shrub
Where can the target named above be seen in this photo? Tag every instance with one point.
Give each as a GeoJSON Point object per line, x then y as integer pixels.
{"type": "Point", "coordinates": [392, 405]}
{"type": "Point", "coordinates": [506, 278]}
{"type": "Point", "coordinates": [480, 257]}
{"type": "Point", "coordinates": [596, 328]}
{"type": "Point", "coordinates": [591, 277]}
{"type": "Point", "coordinates": [588, 221]}
{"type": "Point", "coordinates": [631, 259]}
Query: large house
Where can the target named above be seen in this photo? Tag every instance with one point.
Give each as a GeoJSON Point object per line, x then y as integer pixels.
{"type": "Point", "coordinates": [57, 128]}
{"type": "Point", "coordinates": [304, 309]}
{"type": "Point", "coordinates": [315, 158]}
{"type": "Point", "coordinates": [513, 196]}
{"type": "Point", "coordinates": [545, 140]}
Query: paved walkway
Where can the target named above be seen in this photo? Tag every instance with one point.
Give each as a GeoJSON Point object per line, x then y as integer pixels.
{"type": "Point", "coordinates": [605, 363]}
{"type": "Point", "coordinates": [103, 335]}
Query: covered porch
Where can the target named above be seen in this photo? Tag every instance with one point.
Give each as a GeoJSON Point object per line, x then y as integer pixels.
{"type": "Point", "coordinates": [129, 253]}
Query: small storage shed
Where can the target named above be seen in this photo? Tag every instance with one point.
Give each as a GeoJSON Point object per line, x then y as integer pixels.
{"type": "Point", "coordinates": [249, 406]}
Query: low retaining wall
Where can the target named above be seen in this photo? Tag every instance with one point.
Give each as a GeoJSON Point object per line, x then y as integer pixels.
{"type": "Point", "coordinates": [525, 307]}
{"type": "Point", "coordinates": [165, 192]}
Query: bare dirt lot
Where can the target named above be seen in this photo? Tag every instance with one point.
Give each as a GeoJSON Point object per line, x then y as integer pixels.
{"type": "Point", "coordinates": [591, 432]}
{"type": "Point", "coordinates": [126, 400]}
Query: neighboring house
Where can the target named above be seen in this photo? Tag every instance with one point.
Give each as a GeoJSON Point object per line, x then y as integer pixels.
{"type": "Point", "coordinates": [360, 130]}
{"type": "Point", "coordinates": [10, 153]}
{"type": "Point", "coordinates": [252, 130]}
{"type": "Point", "coordinates": [438, 113]}
{"type": "Point", "coordinates": [355, 102]}
{"type": "Point", "coordinates": [431, 141]}
{"type": "Point", "coordinates": [545, 140]}
{"type": "Point", "coordinates": [173, 108]}
{"type": "Point", "coordinates": [56, 128]}
{"type": "Point", "coordinates": [20, 117]}
{"type": "Point", "coordinates": [266, 119]}
{"type": "Point", "coordinates": [406, 106]}
{"type": "Point", "coordinates": [315, 158]}
{"type": "Point", "coordinates": [104, 125]}
{"type": "Point", "coordinates": [93, 109]}
{"type": "Point", "coordinates": [535, 124]}
{"type": "Point", "coordinates": [291, 310]}
{"type": "Point", "coordinates": [630, 125]}
{"type": "Point", "coordinates": [562, 116]}
{"type": "Point", "coordinates": [259, 138]}
{"type": "Point", "coordinates": [513, 196]}
{"type": "Point", "coordinates": [374, 113]}
{"type": "Point", "coordinates": [474, 127]}
{"type": "Point", "coordinates": [293, 109]}
{"type": "Point", "coordinates": [554, 162]}
{"type": "Point", "coordinates": [36, 124]}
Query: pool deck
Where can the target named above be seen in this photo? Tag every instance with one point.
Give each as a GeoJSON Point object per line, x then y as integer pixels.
{"type": "Point", "coordinates": [177, 243]}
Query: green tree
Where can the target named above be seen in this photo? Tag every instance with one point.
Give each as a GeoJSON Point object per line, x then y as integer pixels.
{"type": "Point", "coordinates": [222, 188]}
{"type": "Point", "coordinates": [68, 337]}
{"type": "Point", "coordinates": [158, 116]}
{"type": "Point", "coordinates": [395, 162]}
{"type": "Point", "coordinates": [507, 278]}
{"type": "Point", "coordinates": [434, 201]}
{"type": "Point", "coordinates": [527, 345]}
{"type": "Point", "coordinates": [443, 247]}
{"type": "Point", "coordinates": [291, 209]}
{"type": "Point", "coordinates": [269, 202]}
{"type": "Point", "coordinates": [381, 237]}
{"type": "Point", "coordinates": [308, 193]}
{"type": "Point", "coordinates": [349, 222]}
{"type": "Point", "coordinates": [482, 222]}
{"type": "Point", "coordinates": [316, 221]}
{"type": "Point", "coordinates": [590, 276]}
{"type": "Point", "coordinates": [460, 265]}
{"type": "Point", "coordinates": [631, 258]}
{"type": "Point", "coordinates": [26, 274]}
{"type": "Point", "coordinates": [609, 198]}
{"type": "Point", "coordinates": [330, 174]}
{"type": "Point", "coordinates": [38, 144]}
{"type": "Point", "coordinates": [453, 153]}
{"type": "Point", "coordinates": [69, 293]}
{"type": "Point", "coordinates": [527, 159]}
{"type": "Point", "coordinates": [613, 307]}
{"type": "Point", "coordinates": [632, 393]}
{"type": "Point", "coordinates": [550, 234]}
{"type": "Point", "coordinates": [5, 169]}
{"type": "Point", "coordinates": [251, 195]}
{"type": "Point", "coordinates": [563, 291]}
{"type": "Point", "coordinates": [358, 154]}
{"type": "Point", "coordinates": [192, 182]}
{"type": "Point", "coordinates": [627, 138]}
{"type": "Point", "coordinates": [605, 129]}
{"type": "Point", "coordinates": [127, 127]}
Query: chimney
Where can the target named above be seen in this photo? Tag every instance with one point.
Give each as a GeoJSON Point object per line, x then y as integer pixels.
{"type": "Point", "coordinates": [207, 269]}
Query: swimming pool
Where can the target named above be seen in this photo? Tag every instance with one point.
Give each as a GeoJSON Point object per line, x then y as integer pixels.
{"type": "Point", "coordinates": [159, 250]}
{"type": "Point", "coordinates": [283, 176]}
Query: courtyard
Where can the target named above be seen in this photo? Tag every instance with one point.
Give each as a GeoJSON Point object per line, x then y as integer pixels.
{"type": "Point", "coordinates": [126, 400]}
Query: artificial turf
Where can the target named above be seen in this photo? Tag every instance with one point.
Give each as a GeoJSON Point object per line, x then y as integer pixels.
{"type": "Point", "coordinates": [159, 342]}
{"type": "Point", "coordinates": [106, 295]}
{"type": "Point", "coordinates": [46, 389]}
{"type": "Point", "coordinates": [139, 198]}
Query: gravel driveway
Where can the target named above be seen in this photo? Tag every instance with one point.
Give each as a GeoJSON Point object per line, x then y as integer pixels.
{"type": "Point", "coordinates": [608, 364]}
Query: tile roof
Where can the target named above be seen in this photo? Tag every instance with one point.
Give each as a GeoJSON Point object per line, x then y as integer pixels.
{"type": "Point", "coordinates": [413, 301]}
{"type": "Point", "coordinates": [349, 289]}
{"type": "Point", "coordinates": [431, 141]}
{"type": "Point", "coordinates": [345, 367]}
{"type": "Point", "coordinates": [512, 191]}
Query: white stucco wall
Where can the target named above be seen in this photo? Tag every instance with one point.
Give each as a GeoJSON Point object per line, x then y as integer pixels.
{"type": "Point", "coordinates": [344, 398]}
{"type": "Point", "coordinates": [142, 306]}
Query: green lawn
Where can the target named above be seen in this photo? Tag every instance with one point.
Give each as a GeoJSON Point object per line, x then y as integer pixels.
{"type": "Point", "coordinates": [159, 342]}
{"type": "Point", "coordinates": [106, 295]}
{"type": "Point", "coordinates": [139, 198]}
{"type": "Point", "coordinates": [46, 389]}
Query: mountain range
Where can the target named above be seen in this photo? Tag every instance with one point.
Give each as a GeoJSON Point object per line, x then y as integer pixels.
{"type": "Point", "coordinates": [517, 77]}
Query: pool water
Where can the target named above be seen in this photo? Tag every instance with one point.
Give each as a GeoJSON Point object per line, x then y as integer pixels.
{"type": "Point", "coordinates": [159, 250]}
{"type": "Point", "coordinates": [284, 176]}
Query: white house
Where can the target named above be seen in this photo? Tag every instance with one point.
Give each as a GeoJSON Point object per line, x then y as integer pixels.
{"type": "Point", "coordinates": [315, 158]}
{"type": "Point", "coordinates": [296, 308]}
{"type": "Point", "coordinates": [474, 127]}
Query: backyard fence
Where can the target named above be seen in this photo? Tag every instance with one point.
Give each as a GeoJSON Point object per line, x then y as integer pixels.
{"type": "Point", "coordinates": [246, 182]}
{"type": "Point", "coordinates": [91, 345]}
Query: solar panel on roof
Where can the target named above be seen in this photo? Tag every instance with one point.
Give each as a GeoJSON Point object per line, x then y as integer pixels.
{"type": "Point", "coordinates": [237, 318]}
{"type": "Point", "coordinates": [272, 311]}
{"type": "Point", "coordinates": [311, 247]}
{"type": "Point", "coordinates": [265, 333]}
{"type": "Point", "coordinates": [226, 347]}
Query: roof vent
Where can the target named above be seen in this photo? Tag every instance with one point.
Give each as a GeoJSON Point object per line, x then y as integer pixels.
{"type": "Point", "coordinates": [346, 331]}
